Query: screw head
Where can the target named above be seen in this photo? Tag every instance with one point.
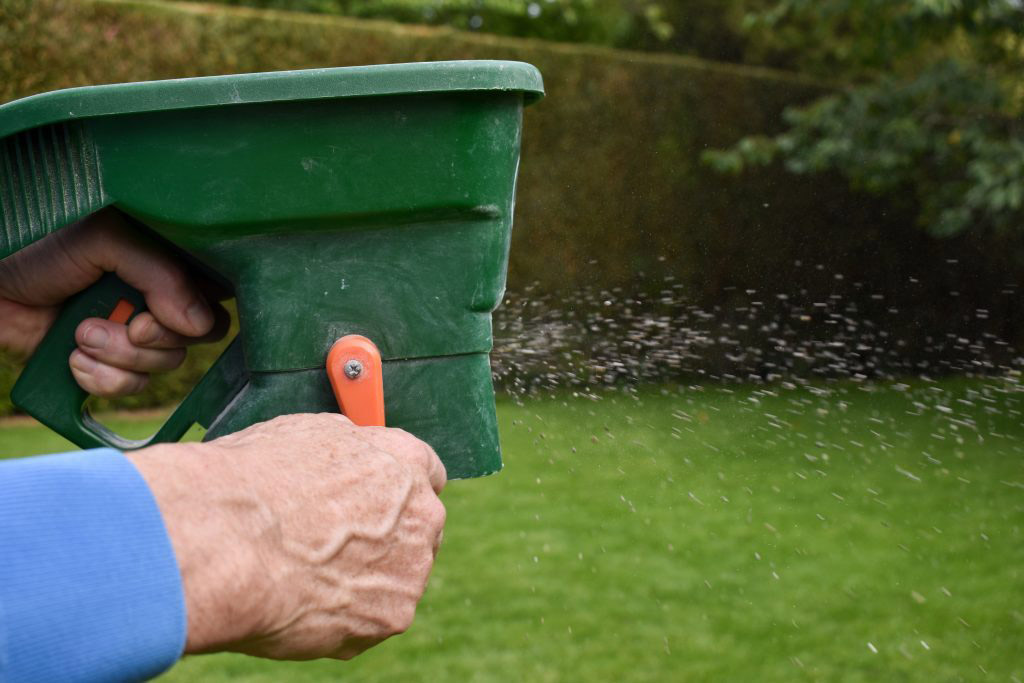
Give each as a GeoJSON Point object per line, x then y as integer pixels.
{"type": "Point", "coordinates": [353, 368]}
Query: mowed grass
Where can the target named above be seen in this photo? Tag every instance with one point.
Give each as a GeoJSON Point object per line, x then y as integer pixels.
{"type": "Point", "coordinates": [833, 533]}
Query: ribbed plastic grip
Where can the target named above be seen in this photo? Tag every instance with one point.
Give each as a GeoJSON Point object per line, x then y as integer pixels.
{"type": "Point", "coordinates": [49, 177]}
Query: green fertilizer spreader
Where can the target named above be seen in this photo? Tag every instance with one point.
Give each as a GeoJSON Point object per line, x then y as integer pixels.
{"type": "Point", "coordinates": [361, 216]}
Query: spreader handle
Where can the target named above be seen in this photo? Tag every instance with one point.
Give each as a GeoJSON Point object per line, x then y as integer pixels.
{"type": "Point", "coordinates": [47, 390]}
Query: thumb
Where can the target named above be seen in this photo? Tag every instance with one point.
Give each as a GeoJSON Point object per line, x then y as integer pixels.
{"type": "Point", "coordinates": [71, 259]}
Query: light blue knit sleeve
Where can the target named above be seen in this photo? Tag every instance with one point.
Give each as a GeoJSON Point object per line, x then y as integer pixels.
{"type": "Point", "coordinates": [89, 585]}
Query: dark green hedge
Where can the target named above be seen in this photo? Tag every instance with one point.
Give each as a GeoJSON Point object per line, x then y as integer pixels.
{"type": "Point", "coordinates": [612, 192]}
{"type": "Point", "coordinates": [610, 168]}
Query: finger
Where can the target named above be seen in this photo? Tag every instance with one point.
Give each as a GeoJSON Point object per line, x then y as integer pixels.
{"type": "Point", "coordinates": [407, 448]}
{"type": "Point", "coordinates": [436, 517]}
{"type": "Point", "coordinates": [107, 242]}
{"type": "Point", "coordinates": [104, 380]}
{"type": "Point", "coordinates": [146, 331]}
{"type": "Point", "coordinates": [354, 646]}
{"type": "Point", "coordinates": [171, 296]}
{"type": "Point", "coordinates": [339, 418]}
{"type": "Point", "coordinates": [108, 343]}
{"type": "Point", "coordinates": [438, 473]}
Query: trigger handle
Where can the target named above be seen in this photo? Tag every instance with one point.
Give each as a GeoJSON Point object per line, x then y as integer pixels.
{"type": "Point", "coordinates": [47, 390]}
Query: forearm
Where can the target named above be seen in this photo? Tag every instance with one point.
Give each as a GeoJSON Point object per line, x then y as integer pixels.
{"type": "Point", "coordinates": [89, 585]}
{"type": "Point", "coordinates": [297, 538]}
{"type": "Point", "coordinates": [210, 515]}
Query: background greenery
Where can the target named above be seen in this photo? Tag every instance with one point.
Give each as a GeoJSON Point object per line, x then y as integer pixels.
{"type": "Point", "coordinates": [795, 530]}
{"type": "Point", "coordinates": [716, 534]}
{"type": "Point", "coordinates": [614, 198]}
{"type": "Point", "coordinates": [930, 97]}
{"type": "Point", "coordinates": [933, 105]}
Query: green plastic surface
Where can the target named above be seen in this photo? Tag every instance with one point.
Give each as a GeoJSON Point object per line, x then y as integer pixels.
{"type": "Point", "coordinates": [446, 401]}
{"type": "Point", "coordinates": [368, 200]}
{"type": "Point", "coordinates": [119, 99]}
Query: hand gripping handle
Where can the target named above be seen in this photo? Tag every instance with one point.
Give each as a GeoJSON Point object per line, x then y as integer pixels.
{"type": "Point", "coordinates": [47, 391]}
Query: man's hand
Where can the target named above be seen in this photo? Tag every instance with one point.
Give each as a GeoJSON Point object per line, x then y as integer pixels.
{"type": "Point", "coordinates": [300, 537]}
{"type": "Point", "coordinates": [111, 359]}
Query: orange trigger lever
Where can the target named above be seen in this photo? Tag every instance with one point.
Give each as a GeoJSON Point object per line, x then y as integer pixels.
{"type": "Point", "coordinates": [356, 375]}
{"type": "Point", "coordinates": [122, 312]}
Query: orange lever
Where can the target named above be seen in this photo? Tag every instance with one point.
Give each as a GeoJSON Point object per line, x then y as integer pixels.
{"type": "Point", "coordinates": [122, 311]}
{"type": "Point", "coordinates": [356, 375]}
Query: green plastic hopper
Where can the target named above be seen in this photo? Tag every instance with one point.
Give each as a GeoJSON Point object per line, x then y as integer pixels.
{"type": "Point", "coordinates": [373, 201]}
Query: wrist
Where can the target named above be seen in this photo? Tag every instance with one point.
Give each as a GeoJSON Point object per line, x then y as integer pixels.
{"type": "Point", "coordinates": [209, 517]}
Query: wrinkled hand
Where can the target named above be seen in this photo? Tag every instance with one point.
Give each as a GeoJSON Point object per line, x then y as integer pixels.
{"type": "Point", "coordinates": [111, 359]}
{"type": "Point", "coordinates": [300, 537]}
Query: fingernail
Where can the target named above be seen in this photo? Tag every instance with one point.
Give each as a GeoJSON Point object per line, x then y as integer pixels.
{"type": "Point", "coordinates": [82, 362]}
{"type": "Point", "coordinates": [200, 315]}
{"type": "Point", "coordinates": [96, 337]}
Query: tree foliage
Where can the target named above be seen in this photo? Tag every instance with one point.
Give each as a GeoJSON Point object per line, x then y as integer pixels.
{"type": "Point", "coordinates": [930, 105]}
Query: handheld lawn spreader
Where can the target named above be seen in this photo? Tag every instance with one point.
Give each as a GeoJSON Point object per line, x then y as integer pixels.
{"type": "Point", "coordinates": [362, 216]}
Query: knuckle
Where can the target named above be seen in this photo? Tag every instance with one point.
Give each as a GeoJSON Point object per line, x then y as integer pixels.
{"type": "Point", "coordinates": [416, 450]}
{"type": "Point", "coordinates": [339, 419]}
{"type": "Point", "coordinates": [175, 277]}
{"type": "Point", "coordinates": [324, 419]}
{"type": "Point", "coordinates": [404, 438]}
{"type": "Point", "coordinates": [437, 515]}
{"type": "Point", "coordinates": [395, 473]}
{"type": "Point", "coordinates": [430, 454]}
{"type": "Point", "coordinates": [403, 617]}
{"type": "Point", "coordinates": [333, 418]}
{"type": "Point", "coordinates": [144, 329]}
{"type": "Point", "coordinates": [427, 563]}
{"type": "Point", "coordinates": [133, 357]}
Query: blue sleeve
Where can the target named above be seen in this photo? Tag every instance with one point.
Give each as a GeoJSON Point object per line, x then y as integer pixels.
{"type": "Point", "coordinates": [89, 585]}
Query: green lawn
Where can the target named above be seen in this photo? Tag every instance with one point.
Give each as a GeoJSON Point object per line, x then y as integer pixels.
{"type": "Point", "coordinates": [843, 533]}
